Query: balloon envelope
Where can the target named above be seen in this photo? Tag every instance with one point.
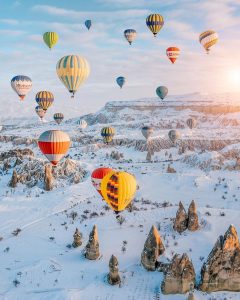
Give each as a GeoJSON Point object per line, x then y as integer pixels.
{"type": "Point", "coordinates": [191, 123]}
{"type": "Point", "coordinates": [173, 53]}
{"type": "Point", "coordinates": [88, 24]}
{"type": "Point", "coordinates": [130, 35]}
{"type": "Point", "coordinates": [50, 38]}
{"type": "Point", "coordinates": [162, 92]}
{"type": "Point", "coordinates": [107, 133]}
{"type": "Point", "coordinates": [155, 23]}
{"type": "Point", "coordinates": [118, 189]}
{"type": "Point", "coordinates": [44, 99]}
{"type": "Point", "coordinates": [72, 70]}
{"type": "Point", "coordinates": [58, 117]}
{"type": "Point", "coordinates": [121, 81]}
{"type": "Point", "coordinates": [40, 112]}
{"type": "Point", "coordinates": [97, 177]}
{"type": "Point", "coordinates": [54, 144]}
{"type": "Point", "coordinates": [82, 124]}
{"type": "Point", "coordinates": [208, 39]}
{"type": "Point", "coordinates": [147, 131]}
{"type": "Point", "coordinates": [21, 84]}
{"type": "Point", "coordinates": [174, 135]}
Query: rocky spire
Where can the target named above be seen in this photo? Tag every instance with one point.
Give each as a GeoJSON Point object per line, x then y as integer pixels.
{"type": "Point", "coordinates": [92, 247]}
{"type": "Point", "coordinates": [180, 222]}
{"type": "Point", "coordinates": [192, 217]}
{"type": "Point", "coordinates": [77, 238]}
{"type": "Point", "coordinates": [48, 178]}
{"type": "Point", "coordinates": [153, 247]}
{"type": "Point", "coordinates": [14, 180]}
{"type": "Point", "coordinates": [180, 275]}
{"type": "Point", "coordinates": [113, 275]}
{"type": "Point", "coordinates": [221, 271]}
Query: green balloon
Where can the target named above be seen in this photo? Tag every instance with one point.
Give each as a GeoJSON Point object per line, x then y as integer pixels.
{"type": "Point", "coordinates": [162, 92]}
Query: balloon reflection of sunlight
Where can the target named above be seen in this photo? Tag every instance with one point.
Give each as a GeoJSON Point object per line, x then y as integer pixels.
{"type": "Point", "coordinates": [234, 77]}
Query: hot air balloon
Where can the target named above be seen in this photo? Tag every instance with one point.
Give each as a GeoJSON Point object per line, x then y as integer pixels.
{"type": "Point", "coordinates": [107, 133]}
{"type": "Point", "coordinates": [147, 131]}
{"type": "Point", "coordinates": [21, 84]}
{"type": "Point", "coordinates": [208, 39]}
{"type": "Point", "coordinates": [155, 23]}
{"type": "Point", "coordinates": [118, 189]}
{"type": "Point", "coordinates": [97, 176]}
{"type": "Point", "coordinates": [54, 144]}
{"type": "Point", "coordinates": [58, 118]}
{"type": "Point", "coordinates": [121, 81]}
{"type": "Point", "coordinates": [88, 24]}
{"type": "Point", "coordinates": [50, 39]}
{"type": "Point", "coordinates": [82, 124]}
{"type": "Point", "coordinates": [173, 53]}
{"type": "Point", "coordinates": [44, 99]}
{"type": "Point", "coordinates": [40, 112]}
{"type": "Point", "coordinates": [72, 70]}
{"type": "Point", "coordinates": [162, 92]}
{"type": "Point", "coordinates": [130, 35]}
{"type": "Point", "coordinates": [174, 135]}
{"type": "Point", "coordinates": [191, 123]}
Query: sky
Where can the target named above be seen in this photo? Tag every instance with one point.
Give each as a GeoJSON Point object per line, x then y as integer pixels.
{"type": "Point", "coordinates": [144, 64]}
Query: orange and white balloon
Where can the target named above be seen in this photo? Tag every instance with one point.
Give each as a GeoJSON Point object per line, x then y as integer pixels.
{"type": "Point", "coordinates": [173, 53]}
{"type": "Point", "coordinates": [54, 144]}
{"type": "Point", "coordinates": [97, 177]}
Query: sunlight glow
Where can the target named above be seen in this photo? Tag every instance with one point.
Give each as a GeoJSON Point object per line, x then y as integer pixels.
{"type": "Point", "coordinates": [234, 76]}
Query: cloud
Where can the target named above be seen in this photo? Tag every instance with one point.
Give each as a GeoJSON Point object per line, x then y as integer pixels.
{"type": "Point", "coordinates": [9, 21]}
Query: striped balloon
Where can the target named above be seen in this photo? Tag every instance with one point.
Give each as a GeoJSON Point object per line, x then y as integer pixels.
{"type": "Point", "coordinates": [208, 39]}
{"type": "Point", "coordinates": [191, 123]}
{"type": "Point", "coordinates": [82, 124]}
{"type": "Point", "coordinates": [44, 99]}
{"type": "Point", "coordinates": [155, 23]}
{"type": "Point", "coordinates": [118, 189]}
{"type": "Point", "coordinates": [72, 70]}
{"type": "Point", "coordinates": [130, 35]}
{"type": "Point", "coordinates": [174, 135]}
{"type": "Point", "coordinates": [54, 144]}
{"type": "Point", "coordinates": [40, 112]}
{"type": "Point", "coordinates": [58, 117]}
{"type": "Point", "coordinates": [97, 177]}
{"type": "Point", "coordinates": [107, 133]}
{"type": "Point", "coordinates": [21, 84]}
{"type": "Point", "coordinates": [173, 53]}
{"type": "Point", "coordinates": [50, 39]}
{"type": "Point", "coordinates": [147, 131]}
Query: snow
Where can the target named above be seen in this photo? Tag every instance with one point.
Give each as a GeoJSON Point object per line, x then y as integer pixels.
{"type": "Point", "coordinates": [38, 257]}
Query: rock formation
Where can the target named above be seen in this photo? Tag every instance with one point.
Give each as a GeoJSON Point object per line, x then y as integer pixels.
{"type": "Point", "coordinates": [77, 239]}
{"type": "Point", "coordinates": [180, 276]}
{"type": "Point", "coordinates": [221, 271]}
{"type": "Point", "coordinates": [149, 156]}
{"type": "Point", "coordinates": [192, 217]}
{"type": "Point", "coordinates": [48, 178]}
{"type": "Point", "coordinates": [92, 247]}
{"type": "Point", "coordinates": [14, 180]}
{"type": "Point", "coordinates": [113, 275]}
{"type": "Point", "coordinates": [153, 247]}
{"type": "Point", "coordinates": [171, 170]}
{"type": "Point", "coordinates": [181, 220]}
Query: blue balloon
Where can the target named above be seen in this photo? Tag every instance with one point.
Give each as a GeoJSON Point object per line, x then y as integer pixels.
{"type": "Point", "coordinates": [88, 24]}
{"type": "Point", "coordinates": [121, 81]}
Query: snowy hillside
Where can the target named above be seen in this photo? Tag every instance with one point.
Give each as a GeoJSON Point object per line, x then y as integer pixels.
{"type": "Point", "coordinates": [37, 226]}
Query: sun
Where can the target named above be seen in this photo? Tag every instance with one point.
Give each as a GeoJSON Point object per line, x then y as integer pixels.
{"type": "Point", "coordinates": [234, 76]}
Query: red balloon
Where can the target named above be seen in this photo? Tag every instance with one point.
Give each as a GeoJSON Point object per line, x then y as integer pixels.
{"type": "Point", "coordinates": [97, 177]}
{"type": "Point", "coordinates": [173, 53]}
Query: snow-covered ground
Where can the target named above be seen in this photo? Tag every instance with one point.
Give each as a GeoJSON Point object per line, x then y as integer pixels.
{"type": "Point", "coordinates": [38, 257]}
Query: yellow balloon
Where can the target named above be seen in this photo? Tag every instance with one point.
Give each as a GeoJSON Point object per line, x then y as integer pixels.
{"type": "Point", "coordinates": [208, 39]}
{"type": "Point", "coordinates": [118, 189]}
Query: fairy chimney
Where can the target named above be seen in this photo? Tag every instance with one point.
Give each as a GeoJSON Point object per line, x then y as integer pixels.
{"type": "Point", "coordinates": [153, 247]}
{"type": "Point", "coordinates": [180, 222]}
{"type": "Point", "coordinates": [77, 238]}
{"type": "Point", "coordinates": [92, 247]}
{"type": "Point", "coordinates": [113, 275]}
{"type": "Point", "coordinates": [221, 271]}
{"type": "Point", "coordinates": [14, 180]}
{"type": "Point", "coordinates": [192, 217]}
{"type": "Point", "coordinates": [48, 178]}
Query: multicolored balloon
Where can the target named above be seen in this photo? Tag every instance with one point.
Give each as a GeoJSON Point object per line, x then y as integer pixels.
{"type": "Point", "coordinates": [191, 123]}
{"type": "Point", "coordinates": [130, 35]}
{"type": "Point", "coordinates": [118, 189]}
{"type": "Point", "coordinates": [107, 133]}
{"type": "Point", "coordinates": [82, 124]}
{"type": "Point", "coordinates": [174, 135]}
{"type": "Point", "coordinates": [44, 99]}
{"type": "Point", "coordinates": [72, 70]}
{"type": "Point", "coordinates": [147, 131]}
{"type": "Point", "coordinates": [50, 39]}
{"type": "Point", "coordinates": [155, 23]}
{"type": "Point", "coordinates": [97, 177]}
{"type": "Point", "coordinates": [58, 118]}
{"type": "Point", "coordinates": [173, 53]}
{"type": "Point", "coordinates": [40, 112]}
{"type": "Point", "coordinates": [162, 92]}
{"type": "Point", "coordinates": [54, 144]}
{"type": "Point", "coordinates": [208, 39]}
{"type": "Point", "coordinates": [121, 81]}
{"type": "Point", "coordinates": [88, 24]}
{"type": "Point", "coordinates": [21, 84]}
